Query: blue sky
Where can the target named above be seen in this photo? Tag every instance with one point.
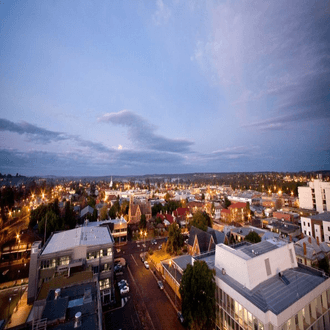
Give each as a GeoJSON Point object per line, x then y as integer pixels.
{"type": "Point", "coordinates": [145, 87]}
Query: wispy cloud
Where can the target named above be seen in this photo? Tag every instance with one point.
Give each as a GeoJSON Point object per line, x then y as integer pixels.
{"type": "Point", "coordinates": [162, 13]}
{"type": "Point", "coordinates": [141, 132]}
{"type": "Point", "coordinates": [271, 59]}
{"type": "Point", "coordinates": [33, 132]}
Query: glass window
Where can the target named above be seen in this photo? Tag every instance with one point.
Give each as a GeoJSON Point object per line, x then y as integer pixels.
{"type": "Point", "coordinates": [261, 326]}
{"type": "Point", "coordinates": [104, 284]}
{"type": "Point", "coordinates": [53, 263]}
{"type": "Point", "coordinates": [101, 253]}
{"type": "Point", "coordinates": [64, 260]}
{"type": "Point", "coordinates": [109, 252]}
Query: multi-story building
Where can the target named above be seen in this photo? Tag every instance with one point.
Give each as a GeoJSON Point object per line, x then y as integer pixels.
{"type": "Point", "coordinates": [316, 196]}
{"type": "Point", "coordinates": [262, 287]}
{"type": "Point", "coordinates": [317, 226]}
{"type": "Point", "coordinates": [73, 256]}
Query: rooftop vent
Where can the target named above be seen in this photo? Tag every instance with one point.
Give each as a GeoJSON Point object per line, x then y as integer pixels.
{"type": "Point", "coordinates": [77, 320]}
{"type": "Point", "coordinates": [223, 271]}
{"type": "Point", "coordinates": [57, 293]}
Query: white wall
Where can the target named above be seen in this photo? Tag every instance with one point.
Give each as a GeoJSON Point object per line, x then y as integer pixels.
{"type": "Point", "coordinates": [305, 197]}
{"type": "Point", "coordinates": [305, 227]}
{"type": "Point", "coordinates": [252, 271]}
{"type": "Point", "coordinates": [326, 227]}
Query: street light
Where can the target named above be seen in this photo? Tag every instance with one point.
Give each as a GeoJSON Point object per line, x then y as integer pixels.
{"type": "Point", "coordinates": [8, 309]}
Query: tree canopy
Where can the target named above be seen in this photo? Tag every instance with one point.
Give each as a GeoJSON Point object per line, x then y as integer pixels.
{"type": "Point", "coordinates": [143, 222]}
{"type": "Point", "coordinates": [197, 290]}
{"type": "Point", "coordinates": [253, 237]}
{"type": "Point", "coordinates": [201, 220]}
{"type": "Point", "coordinates": [175, 239]}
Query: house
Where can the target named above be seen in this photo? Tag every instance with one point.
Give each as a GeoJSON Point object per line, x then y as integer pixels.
{"type": "Point", "coordinates": [284, 228]}
{"type": "Point", "coordinates": [136, 210]}
{"type": "Point", "coordinates": [310, 250]}
{"type": "Point", "coordinates": [72, 256]}
{"type": "Point", "coordinates": [200, 241]}
{"type": "Point", "coordinates": [88, 210]}
{"type": "Point", "coordinates": [287, 216]}
{"type": "Point", "coordinates": [237, 212]}
{"type": "Point", "coordinates": [240, 233]}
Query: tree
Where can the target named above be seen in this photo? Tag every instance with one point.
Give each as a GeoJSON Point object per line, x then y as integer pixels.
{"type": "Point", "coordinates": [112, 212]}
{"type": "Point", "coordinates": [252, 237]}
{"type": "Point", "coordinates": [324, 264]}
{"type": "Point", "coordinates": [53, 223]}
{"type": "Point", "coordinates": [156, 209]}
{"type": "Point", "coordinates": [201, 220]}
{"type": "Point", "coordinates": [197, 290]}
{"type": "Point", "coordinates": [124, 207]}
{"type": "Point", "coordinates": [278, 204]}
{"type": "Point", "coordinates": [203, 196]}
{"type": "Point", "coordinates": [167, 197]}
{"type": "Point", "coordinates": [69, 216]}
{"type": "Point", "coordinates": [227, 202]}
{"type": "Point", "coordinates": [104, 212]}
{"type": "Point", "coordinates": [143, 222]}
{"type": "Point", "coordinates": [175, 239]}
{"type": "Point", "coordinates": [91, 201]}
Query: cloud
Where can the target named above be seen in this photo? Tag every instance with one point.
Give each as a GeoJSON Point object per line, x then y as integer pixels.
{"type": "Point", "coordinates": [271, 59]}
{"type": "Point", "coordinates": [141, 132]}
{"type": "Point", "coordinates": [162, 13]}
{"type": "Point", "coordinates": [44, 136]}
{"type": "Point", "coordinates": [33, 132]}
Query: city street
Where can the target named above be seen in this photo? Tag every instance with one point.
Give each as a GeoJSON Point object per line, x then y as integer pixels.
{"type": "Point", "coordinates": [148, 307]}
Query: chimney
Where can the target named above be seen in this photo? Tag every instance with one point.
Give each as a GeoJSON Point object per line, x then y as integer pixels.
{"type": "Point", "coordinates": [290, 237]}
{"type": "Point", "coordinates": [304, 244]}
{"type": "Point", "coordinates": [77, 320]}
{"type": "Point", "coordinates": [57, 293]}
{"type": "Point", "coordinates": [317, 240]}
{"type": "Point", "coordinates": [309, 240]}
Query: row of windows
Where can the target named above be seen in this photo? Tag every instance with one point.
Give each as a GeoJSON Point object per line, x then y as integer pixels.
{"type": "Point", "coordinates": [52, 263]}
{"type": "Point", "coordinates": [102, 268]}
{"type": "Point", "coordinates": [99, 253]}
{"type": "Point", "coordinates": [230, 315]}
{"type": "Point", "coordinates": [104, 284]}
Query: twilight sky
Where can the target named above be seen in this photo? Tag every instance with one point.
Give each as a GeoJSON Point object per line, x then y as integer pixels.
{"type": "Point", "coordinates": [177, 86]}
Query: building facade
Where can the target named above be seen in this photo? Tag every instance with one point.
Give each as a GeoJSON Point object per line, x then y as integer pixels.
{"type": "Point", "coordinates": [317, 226]}
{"type": "Point", "coordinates": [78, 253]}
{"type": "Point", "coordinates": [316, 196]}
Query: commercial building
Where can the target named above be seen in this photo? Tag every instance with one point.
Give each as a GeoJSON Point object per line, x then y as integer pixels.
{"type": "Point", "coordinates": [316, 196]}
{"type": "Point", "coordinates": [317, 226]}
{"type": "Point", "coordinates": [262, 287]}
{"type": "Point", "coordinates": [72, 257]}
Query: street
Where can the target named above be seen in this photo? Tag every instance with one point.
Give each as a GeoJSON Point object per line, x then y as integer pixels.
{"type": "Point", "coordinates": [148, 307]}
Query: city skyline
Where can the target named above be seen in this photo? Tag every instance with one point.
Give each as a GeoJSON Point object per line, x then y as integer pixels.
{"type": "Point", "coordinates": [133, 88]}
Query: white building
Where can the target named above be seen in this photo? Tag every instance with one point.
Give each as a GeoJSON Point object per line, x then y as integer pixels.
{"type": "Point", "coordinates": [317, 226]}
{"type": "Point", "coordinates": [316, 196]}
{"type": "Point", "coordinates": [262, 287]}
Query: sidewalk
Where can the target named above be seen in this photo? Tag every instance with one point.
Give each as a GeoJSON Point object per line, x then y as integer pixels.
{"type": "Point", "coordinates": [21, 312]}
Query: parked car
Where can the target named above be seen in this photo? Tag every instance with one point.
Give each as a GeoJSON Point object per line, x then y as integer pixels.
{"type": "Point", "coordinates": [161, 285]}
{"type": "Point", "coordinates": [118, 268]}
{"type": "Point", "coordinates": [146, 264]}
{"type": "Point", "coordinates": [180, 317]}
{"type": "Point", "coordinates": [142, 259]}
{"type": "Point", "coordinates": [122, 283]}
{"type": "Point", "coordinates": [153, 242]}
{"type": "Point", "coordinates": [160, 246]}
{"type": "Point", "coordinates": [124, 289]}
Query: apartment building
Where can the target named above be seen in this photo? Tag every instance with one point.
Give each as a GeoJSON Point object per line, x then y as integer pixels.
{"type": "Point", "coordinates": [262, 287]}
{"type": "Point", "coordinates": [72, 256]}
{"type": "Point", "coordinates": [316, 196]}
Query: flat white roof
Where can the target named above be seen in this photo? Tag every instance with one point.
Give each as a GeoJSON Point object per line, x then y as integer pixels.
{"type": "Point", "coordinates": [82, 236]}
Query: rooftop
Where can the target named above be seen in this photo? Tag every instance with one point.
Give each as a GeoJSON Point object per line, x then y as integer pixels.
{"type": "Point", "coordinates": [82, 236]}
{"type": "Point", "coordinates": [325, 216]}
